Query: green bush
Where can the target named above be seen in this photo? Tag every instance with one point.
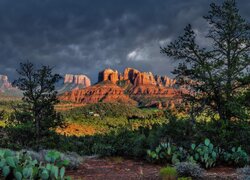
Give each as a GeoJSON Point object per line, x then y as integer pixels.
{"type": "Point", "coordinates": [205, 153]}
{"type": "Point", "coordinates": [106, 110]}
{"type": "Point", "coordinates": [228, 134]}
{"type": "Point", "coordinates": [237, 157]}
{"type": "Point", "coordinates": [180, 131]}
{"type": "Point", "coordinates": [167, 152]}
{"type": "Point", "coordinates": [184, 178]}
{"type": "Point", "coordinates": [103, 149]}
{"type": "Point", "coordinates": [19, 165]}
{"type": "Point", "coordinates": [73, 158]}
{"type": "Point", "coordinates": [168, 171]}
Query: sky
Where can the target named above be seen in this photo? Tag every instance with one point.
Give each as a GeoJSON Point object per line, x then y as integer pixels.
{"type": "Point", "coordinates": [87, 36]}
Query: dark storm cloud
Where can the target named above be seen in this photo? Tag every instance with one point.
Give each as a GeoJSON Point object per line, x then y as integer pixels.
{"type": "Point", "coordinates": [86, 36]}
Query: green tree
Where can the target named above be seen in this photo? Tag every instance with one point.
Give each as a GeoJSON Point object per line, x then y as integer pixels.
{"type": "Point", "coordinates": [39, 97]}
{"type": "Point", "coordinates": [217, 76]}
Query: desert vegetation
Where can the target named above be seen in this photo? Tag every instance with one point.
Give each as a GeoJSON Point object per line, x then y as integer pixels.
{"type": "Point", "coordinates": [209, 128]}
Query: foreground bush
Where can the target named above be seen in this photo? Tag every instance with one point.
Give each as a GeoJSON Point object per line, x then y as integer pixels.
{"type": "Point", "coordinates": [206, 154]}
{"type": "Point", "coordinates": [187, 169]}
{"type": "Point", "coordinates": [168, 153]}
{"type": "Point", "coordinates": [168, 173]}
{"type": "Point", "coordinates": [20, 165]}
{"type": "Point", "coordinates": [72, 158]}
{"type": "Point", "coordinates": [237, 157]}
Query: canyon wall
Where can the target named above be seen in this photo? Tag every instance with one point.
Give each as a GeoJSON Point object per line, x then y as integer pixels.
{"type": "Point", "coordinates": [77, 79]}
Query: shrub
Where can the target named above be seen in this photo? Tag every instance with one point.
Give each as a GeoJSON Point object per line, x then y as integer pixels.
{"type": "Point", "coordinates": [187, 169]}
{"type": "Point", "coordinates": [168, 173]}
{"type": "Point", "coordinates": [184, 178]}
{"type": "Point", "coordinates": [179, 131]}
{"type": "Point", "coordinates": [237, 157]}
{"type": "Point", "coordinates": [244, 173]}
{"type": "Point", "coordinates": [20, 165]}
{"type": "Point", "coordinates": [205, 153]}
{"type": "Point", "coordinates": [228, 135]}
{"type": "Point", "coordinates": [73, 158]}
{"type": "Point", "coordinates": [166, 152]}
{"type": "Point", "coordinates": [103, 149]}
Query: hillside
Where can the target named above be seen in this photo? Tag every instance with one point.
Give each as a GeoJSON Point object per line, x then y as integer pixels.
{"type": "Point", "coordinates": [102, 92]}
{"type": "Point", "coordinates": [107, 110]}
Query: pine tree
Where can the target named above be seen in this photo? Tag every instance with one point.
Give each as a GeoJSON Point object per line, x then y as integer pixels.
{"type": "Point", "coordinates": [216, 76]}
{"type": "Point", "coordinates": [39, 98]}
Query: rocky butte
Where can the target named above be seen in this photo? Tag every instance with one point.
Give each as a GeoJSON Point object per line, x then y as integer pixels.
{"type": "Point", "coordinates": [135, 77]}
{"type": "Point", "coordinates": [73, 82]}
{"type": "Point", "coordinates": [77, 79]}
{"type": "Point", "coordinates": [6, 88]}
{"type": "Point", "coordinates": [131, 86]}
{"type": "Point", "coordinates": [4, 82]}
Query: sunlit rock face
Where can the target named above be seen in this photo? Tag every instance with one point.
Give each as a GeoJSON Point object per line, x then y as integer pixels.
{"type": "Point", "coordinates": [109, 75]}
{"type": "Point", "coordinates": [131, 86]}
{"type": "Point", "coordinates": [135, 77]}
{"type": "Point", "coordinates": [102, 92]}
{"type": "Point", "coordinates": [130, 74]}
{"type": "Point", "coordinates": [73, 82]}
{"type": "Point", "coordinates": [6, 88]}
{"type": "Point", "coordinates": [4, 82]}
{"type": "Point", "coordinates": [77, 79]}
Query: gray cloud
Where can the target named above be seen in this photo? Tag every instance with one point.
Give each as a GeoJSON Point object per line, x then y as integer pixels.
{"type": "Point", "coordinates": [88, 36]}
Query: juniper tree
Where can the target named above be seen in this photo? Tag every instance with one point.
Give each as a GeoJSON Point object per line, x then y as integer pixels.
{"type": "Point", "coordinates": [217, 76]}
{"type": "Point", "coordinates": [39, 97]}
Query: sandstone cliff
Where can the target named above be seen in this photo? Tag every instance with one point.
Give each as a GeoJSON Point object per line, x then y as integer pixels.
{"type": "Point", "coordinates": [135, 77]}
{"type": "Point", "coordinates": [131, 87]}
{"type": "Point", "coordinates": [4, 82]}
{"type": "Point", "coordinates": [77, 79]}
{"type": "Point", "coordinates": [73, 82]}
{"type": "Point", "coordinates": [7, 89]}
{"type": "Point", "coordinates": [109, 75]}
{"type": "Point", "coordinates": [102, 92]}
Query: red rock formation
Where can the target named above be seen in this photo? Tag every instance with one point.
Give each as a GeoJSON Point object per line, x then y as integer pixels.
{"type": "Point", "coordinates": [109, 75]}
{"type": "Point", "coordinates": [130, 74]}
{"type": "Point", "coordinates": [4, 82]}
{"type": "Point", "coordinates": [152, 90]}
{"type": "Point", "coordinates": [6, 88]}
{"type": "Point", "coordinates": [138, 78]}
{"type": "Point", "coordinates": [135, 77]}
{"type": "Point", "coordinates": [139, 86]}
{"type": "Point", "coordinates": [77, 80]}
{"type": "Point", "coordinates": [145, 78]}
{"type": "Point", "coordinates": [104, 92]}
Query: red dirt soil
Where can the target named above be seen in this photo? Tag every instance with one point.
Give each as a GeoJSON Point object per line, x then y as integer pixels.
{"type": "Point", "coordinates": [114, 169]}
{"type": "Point", "coordinates": [123, 169]}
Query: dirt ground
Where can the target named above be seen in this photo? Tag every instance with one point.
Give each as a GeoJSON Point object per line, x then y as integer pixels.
{"type": "Point", "coordinates": [124, 169]}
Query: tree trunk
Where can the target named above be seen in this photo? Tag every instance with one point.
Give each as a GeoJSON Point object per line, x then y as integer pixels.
{"type": "Point", "coordinates": [37, 133]}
